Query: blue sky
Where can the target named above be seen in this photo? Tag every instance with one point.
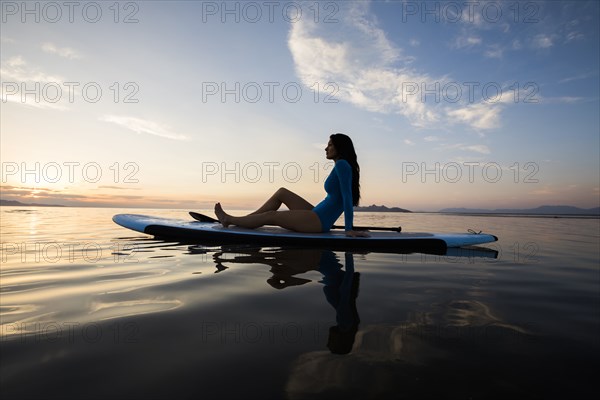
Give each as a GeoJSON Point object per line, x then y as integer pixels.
{"type": "Point", "coordinates": [181, 104]}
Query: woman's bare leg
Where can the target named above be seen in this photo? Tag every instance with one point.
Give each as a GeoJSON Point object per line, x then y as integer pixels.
{"type": "Point", "coordinates": [287, 197]}
{"type": "Point", "coordinates": [305, 221]}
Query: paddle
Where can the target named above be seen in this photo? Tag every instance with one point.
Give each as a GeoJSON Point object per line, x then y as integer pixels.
{"type": "Point", "coordinates": [205, 218]}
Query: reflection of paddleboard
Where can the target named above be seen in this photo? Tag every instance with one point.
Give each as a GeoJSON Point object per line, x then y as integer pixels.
{"type": "Point", "coordinates": [275, 236]}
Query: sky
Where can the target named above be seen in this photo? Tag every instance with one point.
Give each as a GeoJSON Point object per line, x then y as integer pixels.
{"type": "Point", "coordinates": [181, 104]}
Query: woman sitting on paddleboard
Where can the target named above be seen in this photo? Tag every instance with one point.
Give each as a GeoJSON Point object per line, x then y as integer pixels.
{"type": "Point", "coordinates": [343, 192]}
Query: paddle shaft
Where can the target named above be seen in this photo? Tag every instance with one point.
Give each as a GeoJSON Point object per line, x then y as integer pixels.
{"type": "Point", "coordinates": [206, 218]}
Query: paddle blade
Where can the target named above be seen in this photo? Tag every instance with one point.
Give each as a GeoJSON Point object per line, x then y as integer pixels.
{"type": "Point", "coordinates": [202, 217]}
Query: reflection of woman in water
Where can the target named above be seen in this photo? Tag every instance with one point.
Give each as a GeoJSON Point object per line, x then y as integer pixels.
{"type": "Point", "coordinates": [341, 291]}
{"type": "Point", "coordinates": [343, 192]}
{"type": "Point", "coordinates": [341, 284]}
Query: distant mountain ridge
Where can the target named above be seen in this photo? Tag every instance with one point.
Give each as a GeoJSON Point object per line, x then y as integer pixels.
{"type": "Point", "coordinates": [558, 210]}
{"type": "Point", "coordinates": [375, 208]}
{"type": "Point", "coordinates": [14, 203]}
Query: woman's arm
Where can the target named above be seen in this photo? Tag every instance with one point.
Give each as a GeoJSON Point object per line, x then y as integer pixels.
{"type": "Point", "coordinates": [344, 173]}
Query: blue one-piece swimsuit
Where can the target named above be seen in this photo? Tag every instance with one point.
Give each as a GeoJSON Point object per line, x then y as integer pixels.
{"type": "Point", "coordinates": [338, 186]}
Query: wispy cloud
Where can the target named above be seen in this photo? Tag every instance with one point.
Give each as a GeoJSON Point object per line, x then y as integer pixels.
{"type": "Point", "coordinates": [578, 77]}
{"type": "Point", "coordinates": [18, 74]}
{"type": "Point", "coordinates": [361, 61]}
{"type": "Point", "coordinates": [29, 101]}
{"type": "Point", "coordinates": [571, 36]}
{"type": "Point", "coordinates": [56, 196]}
{"type": "Point", "coordinates": [374, 74]}
{"type": "Point", "coordinates": [466, 41]}
{"type": "Point", "coordinates": [562, 100]}
{"type": "Point", "coordinates": [118, 187]}
{"type": "Point", "coordinates": [480, 116]}
{"type": "Point", "coordinates": [545, 191]}
{"type": "Point", "coordinates": [67, 197]}
{"type": "Point", "coordinates": [494, 51]}
{"type": "Point", "coordinates": [139, 125]}
{"type": "Point", "coordinates": [475, 148]}
{"type": "Point", "coordinates": [65, 52]}
{"type": "Point", "coordinates": [572, 31]}
{"type": "Point", "coordinates": [23, 189]}
{"type": "Point", "coordinates": [542, 41]}
{"type": "Point", "coordinates": [17, 69]}
{"type": "Point", "coordinates": [30, 194]}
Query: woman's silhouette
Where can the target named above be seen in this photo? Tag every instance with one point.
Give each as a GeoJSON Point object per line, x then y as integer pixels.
{"type": "Point", "coordinates": [343, 192]}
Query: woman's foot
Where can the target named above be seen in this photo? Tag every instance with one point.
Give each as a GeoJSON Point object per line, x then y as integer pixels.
{"type": "Point", "coordinates": [222, 215]}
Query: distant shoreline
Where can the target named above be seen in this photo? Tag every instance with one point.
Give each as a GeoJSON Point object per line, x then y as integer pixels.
{"type": "Point", "coordinates": [539, 212]}
{"type": "Point", "coordinates": [556, 210]}
{"type": "Point", "coordinates": [14, 203]}
{"type": "Point", "coordinates": [518, 215]}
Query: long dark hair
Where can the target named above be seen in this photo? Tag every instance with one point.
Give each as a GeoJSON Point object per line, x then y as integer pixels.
{"type": "Point", "coordinates": [345, 151]}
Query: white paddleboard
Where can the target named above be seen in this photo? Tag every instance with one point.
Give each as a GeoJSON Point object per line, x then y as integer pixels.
{"type": "Point", "coordinates": [275, 236]}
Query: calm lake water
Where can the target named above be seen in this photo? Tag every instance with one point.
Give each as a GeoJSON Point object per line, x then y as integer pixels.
{"type": "Point", "coordinates": [92, 310]}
